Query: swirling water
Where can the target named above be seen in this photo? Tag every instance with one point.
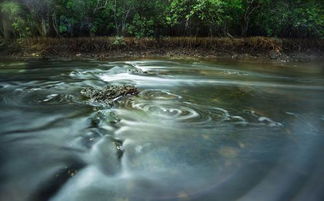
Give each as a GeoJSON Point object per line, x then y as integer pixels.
{"type": "Point", "coordinates": [197, 130]}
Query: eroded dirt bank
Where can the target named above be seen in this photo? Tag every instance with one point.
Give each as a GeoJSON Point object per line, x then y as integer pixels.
{"type": "Point", "coordinates": [104, 48]}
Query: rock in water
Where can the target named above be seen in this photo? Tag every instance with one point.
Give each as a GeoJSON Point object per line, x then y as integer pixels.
{"type": "Point", "coordinates": [109, 94]}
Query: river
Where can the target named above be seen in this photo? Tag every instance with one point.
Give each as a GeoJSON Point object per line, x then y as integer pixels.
{"type": "Point", "coordinates": [198, 130]}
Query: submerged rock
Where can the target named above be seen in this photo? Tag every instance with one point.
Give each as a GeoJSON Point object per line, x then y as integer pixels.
{"type": "Point", "coordinates": [109, 94]}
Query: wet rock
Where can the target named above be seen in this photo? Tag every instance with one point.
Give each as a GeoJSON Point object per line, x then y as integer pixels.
{"type": "Point", "coordinates": [135, 71]}
{"type": "Point", "coordinates": [279, 56]}
{"type": "Point", "coordinates": [274, 54]}
{"type": "Point", "coordinates": [109, 94]}
{"type": "Point", "coordinates": [129, 69]}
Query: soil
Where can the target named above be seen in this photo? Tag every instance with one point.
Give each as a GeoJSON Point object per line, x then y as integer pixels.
{"type": "Point", "coordinates": [258, 49]}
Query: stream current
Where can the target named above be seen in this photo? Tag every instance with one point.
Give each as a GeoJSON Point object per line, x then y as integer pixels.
{"type": "Point", "coordinates": [198, 130]}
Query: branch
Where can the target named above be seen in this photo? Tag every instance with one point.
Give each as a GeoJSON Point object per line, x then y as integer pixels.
{"type": "Point", "coordinates": [99, 7]}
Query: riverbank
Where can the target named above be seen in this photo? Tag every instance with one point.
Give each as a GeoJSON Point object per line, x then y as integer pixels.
{"type": "Point", "coordinates": [105, 48]}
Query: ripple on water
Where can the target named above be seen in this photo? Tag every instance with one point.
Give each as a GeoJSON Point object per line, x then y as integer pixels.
{"type": "Point", "coordinates": [181, 112]}
{"type": "Point", "coordinates": [161, 108]}
{"type": "Point", "coordinates": [159, 95]}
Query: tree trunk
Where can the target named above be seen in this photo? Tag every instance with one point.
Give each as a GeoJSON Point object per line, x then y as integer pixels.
{"type": "Point", "coordinates": [52, 29]}
{"type": "Point", "coordinates": [43, 27]}
{"type": "Point", "coordinates": [245, 27]}
{"type": "Point", "coordinates": [6, 29]}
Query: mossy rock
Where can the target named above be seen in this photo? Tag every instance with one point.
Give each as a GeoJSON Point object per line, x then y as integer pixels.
{"type": "Point", "coordinates": [109, 94]}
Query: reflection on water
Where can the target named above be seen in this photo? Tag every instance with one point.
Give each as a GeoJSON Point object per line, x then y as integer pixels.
{"type": "Point", "coordinates": [197, 131]}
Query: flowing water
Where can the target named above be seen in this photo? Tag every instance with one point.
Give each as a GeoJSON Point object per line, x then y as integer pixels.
{"type": "Point", "coordinates": [197, 130]}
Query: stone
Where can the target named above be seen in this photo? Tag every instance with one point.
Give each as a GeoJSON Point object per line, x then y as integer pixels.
{"type": "Point", "coordinates": [109, 94]}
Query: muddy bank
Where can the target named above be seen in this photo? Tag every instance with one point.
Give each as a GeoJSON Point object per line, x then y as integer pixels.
{"type": "Point", "coordinates": [104, 48]}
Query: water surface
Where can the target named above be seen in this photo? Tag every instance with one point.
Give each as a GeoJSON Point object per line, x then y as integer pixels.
{"type": "Point", "coordinates": [198, 130]}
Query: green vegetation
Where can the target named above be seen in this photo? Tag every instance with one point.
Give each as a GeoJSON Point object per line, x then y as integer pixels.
{"type": "Point", "coordinates": [160, 18]}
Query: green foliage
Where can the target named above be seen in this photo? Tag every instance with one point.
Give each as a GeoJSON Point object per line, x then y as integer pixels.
{"type": "Point", "coordinates": [155, 18]}
{"type": "Point", "coordinates": [292, 19]}
{"type": "Point", "coordinates": [17, 23]}
{"type": "Point", "coordinates": [119, 41]}
{"type": "Point", "coordinates": [21, 27]}
{"type": "Point", "coordinates": [141, 27]}
{"type": "Point", "coordinates": [11, 9]}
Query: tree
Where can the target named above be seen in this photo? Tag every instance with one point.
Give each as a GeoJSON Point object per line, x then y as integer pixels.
{"type": "Point", "coordinates": [148, 18]}
{"type": "Point", "coordinates": [249, 8]}
{"type": "Point", "coordinates": [41, 11]}
{"type": "Point", "coordinates": [209, 13]}
{"type": "Point", "coordinates": [122, 11]}
{"type": "Point", "coordinates": [9, 10]}
{"type": "Point", "coordinates": [14, 23]}
{"type": "Point", "coordinates": [298, 18]}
